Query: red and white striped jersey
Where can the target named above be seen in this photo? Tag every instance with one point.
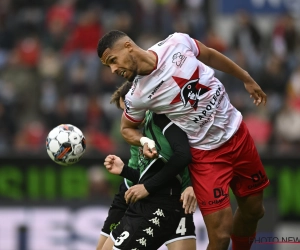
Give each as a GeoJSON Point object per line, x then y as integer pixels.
{"type": "Point", "coordinates": [186, 90]}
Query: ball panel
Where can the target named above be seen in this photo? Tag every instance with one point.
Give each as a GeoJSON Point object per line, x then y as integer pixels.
{"type": "Point", "coordinates": [50, 155]}
{"type": "Point", "coordinates": [54, 145]}
{"type": "Point", "coordinates": [78, 131]}
{"type": "Point", "coordinates": [63, 137]}
{"type": "Point", "coordinates": [53, 133]}
{"type": "Point", "coordinates": [74, 138]}
{"type": "Point", "coordinates": [78, 149]}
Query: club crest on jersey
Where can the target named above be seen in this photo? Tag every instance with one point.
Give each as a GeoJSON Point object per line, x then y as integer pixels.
{"type": "Point", "coordinates": [190, 90]}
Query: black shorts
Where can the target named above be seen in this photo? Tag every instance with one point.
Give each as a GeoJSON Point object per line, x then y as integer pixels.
{"type": "Point", "coordinates": [185, 228]}
{"type": "Point", "coordinates": [116, 211]}
{"type": "Point", "coordinates": [147, 225]}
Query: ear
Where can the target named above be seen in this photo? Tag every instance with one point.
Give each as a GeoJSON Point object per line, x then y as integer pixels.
{"type": "Point", "coordinates": [128, 45]}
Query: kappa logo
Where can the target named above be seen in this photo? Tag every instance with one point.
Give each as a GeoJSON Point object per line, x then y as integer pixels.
{"type": "Point", "coordinates": [178, 59]}
{"type": "Point", "coordinates": [149, 231]}
{"type": "Point", "coordinates": [155, 221]}
{"type": "Point", "coordinates": [159, 212]}
{"type": "Point", "coordinates": [142, 241]}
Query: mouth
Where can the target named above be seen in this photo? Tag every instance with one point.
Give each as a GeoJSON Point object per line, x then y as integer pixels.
{"type": "Point", "coordinates": [123, 73]}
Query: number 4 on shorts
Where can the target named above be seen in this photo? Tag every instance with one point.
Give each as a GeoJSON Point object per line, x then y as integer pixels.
{"type": "Point", "coordinates": [181, 229]}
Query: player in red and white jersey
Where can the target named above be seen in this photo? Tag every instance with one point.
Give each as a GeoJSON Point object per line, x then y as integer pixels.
{"type": "Point", "coordinates": [174, 77]}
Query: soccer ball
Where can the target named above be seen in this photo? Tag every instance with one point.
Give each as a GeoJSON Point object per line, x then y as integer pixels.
{"type": "Point", "coordinates": [65, 144]}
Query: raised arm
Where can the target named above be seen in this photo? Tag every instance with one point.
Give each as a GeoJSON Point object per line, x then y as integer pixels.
{"type": "Point", "coordinates": [131, 133]}
{"type": "Point", "coordinates": [220, 62]}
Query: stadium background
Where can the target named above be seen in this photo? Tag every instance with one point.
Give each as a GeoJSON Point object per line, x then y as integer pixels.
{"type": "Point", "coordinates": [50, 74]}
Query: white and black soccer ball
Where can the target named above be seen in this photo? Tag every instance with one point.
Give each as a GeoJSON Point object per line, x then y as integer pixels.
{"type": "Point", "coordinates": [65, 144]}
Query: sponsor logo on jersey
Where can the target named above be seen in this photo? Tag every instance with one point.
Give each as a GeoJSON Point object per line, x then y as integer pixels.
{"type": "Point", "coordinates": [135, 82]}
{"type": "Point", "coordinates": [190, 90]}
{"type": "Point", "coordinates": [178, 59]}
{"type": "Point", "coordinates": [163, 41]}
{"type": "Point", "coordinates": [258, 179]}
{"type": "Point", "coordinates": [208, 113]}
{"type": "Point", "coordinates": [127, 105]}
{"type": "Point", "coordinates": [155, 89]}
{"type": "Point", "coordinates": [219, 195]}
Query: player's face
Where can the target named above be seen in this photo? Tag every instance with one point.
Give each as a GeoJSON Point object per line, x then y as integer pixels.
{"type": "Point", "coordinates": [121, 61]}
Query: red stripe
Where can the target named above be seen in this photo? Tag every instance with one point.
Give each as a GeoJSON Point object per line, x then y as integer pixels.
{"type": "Point", "coordinates": [197, 47]}
{"type": "Point", "coordinates": [131, 119]}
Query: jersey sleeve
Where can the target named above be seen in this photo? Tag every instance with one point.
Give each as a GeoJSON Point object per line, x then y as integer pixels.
{"type": "Point", "coordinates": [132, 163]}
{"type": "Point", "coordinates": [189, 42]}
{"type": "Point", "coordinates": [178, 161]}
{"type": "Point", "coordinates": [130, 112]}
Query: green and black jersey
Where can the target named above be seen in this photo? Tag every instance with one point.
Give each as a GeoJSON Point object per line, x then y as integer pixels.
{"type": "Point", "coordinates": [170, 168]}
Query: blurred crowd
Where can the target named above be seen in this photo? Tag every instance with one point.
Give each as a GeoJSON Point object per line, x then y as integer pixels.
{"type": "Point", "coordinates": [50, 73]}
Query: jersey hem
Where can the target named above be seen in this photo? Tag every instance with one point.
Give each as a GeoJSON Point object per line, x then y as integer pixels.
{"type": "Point", "coordinates": [131, 119]}
{"type": "Point", "coordinates": [219, 144]}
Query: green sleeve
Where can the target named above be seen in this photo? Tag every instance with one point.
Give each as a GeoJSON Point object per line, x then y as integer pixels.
{"type": "Point", "coordinates": [186, 181]}
{"type": "Point", "coordinates": [133, 162]}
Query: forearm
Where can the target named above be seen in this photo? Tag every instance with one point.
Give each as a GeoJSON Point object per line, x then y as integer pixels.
{"type": "Point", "coordinates": [132, 136]}
{"type": "Point", "coordinates": [130, 131]}
{"type": "Point", "coordinates": [130, 174]}
{"type": "Point", "coordinates": [172, 168]}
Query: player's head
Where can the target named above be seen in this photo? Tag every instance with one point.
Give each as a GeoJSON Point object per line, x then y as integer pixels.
{"type": "Point", "coordinates": [116, 50]}
{"type": "Point", "coordinates": [118, 96]}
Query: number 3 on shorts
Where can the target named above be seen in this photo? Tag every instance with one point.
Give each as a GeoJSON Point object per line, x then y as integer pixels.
{"type": "Point", "coordinates": [121, 238]}
{"type": "Point", "coordinates": [181, 229]}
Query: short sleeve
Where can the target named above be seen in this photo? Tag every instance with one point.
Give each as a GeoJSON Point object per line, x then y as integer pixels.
{"type": "Point", "coordinates": [131, 113]}
{"type": "Point", "coordinates": [189, 42]}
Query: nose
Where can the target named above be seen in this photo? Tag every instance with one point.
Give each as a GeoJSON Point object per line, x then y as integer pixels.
{"type": "Point", "coordinates": [113, 68]}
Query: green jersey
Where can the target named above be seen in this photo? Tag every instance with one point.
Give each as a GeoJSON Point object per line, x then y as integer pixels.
{"type": "Point", "coordinates": [154, 132]}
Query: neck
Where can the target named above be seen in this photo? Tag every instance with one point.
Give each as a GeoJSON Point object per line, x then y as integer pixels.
{"type": "Point", "coordinates": [148, 62]}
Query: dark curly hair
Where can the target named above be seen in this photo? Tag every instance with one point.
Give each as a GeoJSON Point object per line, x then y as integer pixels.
{"type": "Point", "coordinates": [108, 40]}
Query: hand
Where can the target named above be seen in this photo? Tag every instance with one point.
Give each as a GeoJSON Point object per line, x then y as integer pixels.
{"type": "Point", "coordinates": [256, 93]}
{"type": "Point", "coordinates": [150, 153]}
{"type": "Point", "coordinates": [189, 200]}
{"type": "Point", "coordinates": [113, 164]}
{"type": "Point", "coordinates": [135, 193]}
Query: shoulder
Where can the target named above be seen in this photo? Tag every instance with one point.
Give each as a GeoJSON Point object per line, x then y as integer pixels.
{"type": "Point", "coordinates": [174, 38]}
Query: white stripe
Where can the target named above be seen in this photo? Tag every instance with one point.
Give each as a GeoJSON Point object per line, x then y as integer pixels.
{"type": "Point", "coordinates": [104, 234]}
{"type": "Point", "coordinates": [126, 183]}
{"type": "Point", "coordinates": [166, 127]}
{"type": "Point", "coordinates": [180, 238]}
{"type": "Point", "coordinates": [159, 157]}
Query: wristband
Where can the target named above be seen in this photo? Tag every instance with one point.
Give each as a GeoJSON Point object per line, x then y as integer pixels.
{"type": "Point", "coordinates": [151, 143]}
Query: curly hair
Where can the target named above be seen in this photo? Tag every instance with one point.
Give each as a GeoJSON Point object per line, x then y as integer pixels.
{"type": "Point", "coordinates": [120, 93]}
